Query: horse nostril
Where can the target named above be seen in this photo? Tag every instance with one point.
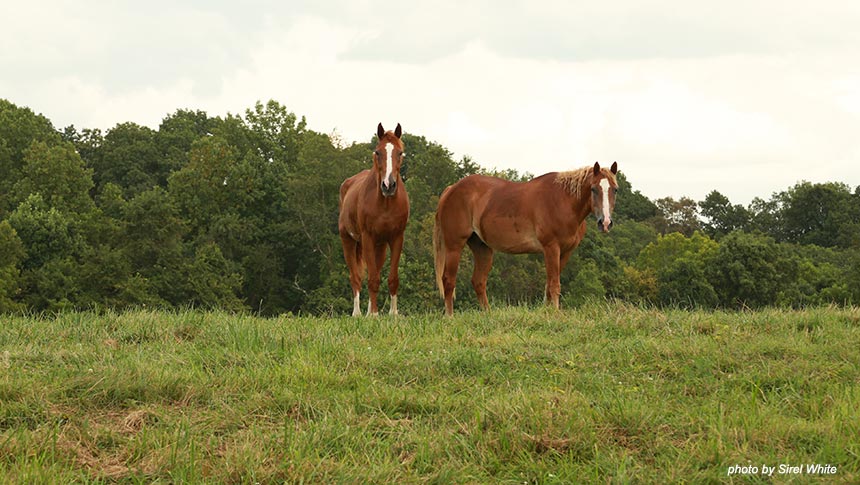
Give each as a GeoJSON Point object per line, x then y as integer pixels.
{"type": "Point", "coordinates": [600, 223]}
{"type": "Point", "coordinates": [388, 187]}
{"type": "Point", "coordinates": [610, 224]}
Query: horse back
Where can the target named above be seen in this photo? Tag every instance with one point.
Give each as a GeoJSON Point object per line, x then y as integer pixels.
{"type": "Point", "coordinates": [471, 193]}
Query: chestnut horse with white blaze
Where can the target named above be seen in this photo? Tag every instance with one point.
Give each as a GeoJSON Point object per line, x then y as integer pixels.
{"type": "Point", "coordinates": [374, 209]}
{"type": "Point", "coordinates": [544, 215]}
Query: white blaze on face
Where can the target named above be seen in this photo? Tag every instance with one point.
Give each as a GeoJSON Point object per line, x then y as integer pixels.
{"type": "Point", "coordinates": [604, 185]}
{"type": "Point", "coordinates": [389, 164]}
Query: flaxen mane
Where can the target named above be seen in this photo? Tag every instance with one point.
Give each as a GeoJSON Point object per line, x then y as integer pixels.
{"type": "Point", "coordinates": [574, 180]}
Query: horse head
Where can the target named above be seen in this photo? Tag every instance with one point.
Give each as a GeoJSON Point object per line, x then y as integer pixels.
{"type": "Point", "coordinates": [603, 189]}
{"type": "Point", "coordinates": [387, 158]}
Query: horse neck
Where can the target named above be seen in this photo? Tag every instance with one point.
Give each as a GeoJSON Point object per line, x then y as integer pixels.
{"type": "Point", "coordinates": [584, 203]}
{"type": "Point", "coordinates": [579, 202]}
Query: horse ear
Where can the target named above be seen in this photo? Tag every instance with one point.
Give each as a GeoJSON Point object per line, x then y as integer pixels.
{"type": "Point", "coordinates": [398, 131]}
{"type": "Point", "coordinates": [380, 130]}
{"type": "Point", "coordinates": [614, 168]}
{"type": "Point", "coordinates": [596, 168]}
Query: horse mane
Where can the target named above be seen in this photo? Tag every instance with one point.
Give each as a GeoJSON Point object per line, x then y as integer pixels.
{"type": "Point", "coordinates": [574, 180]}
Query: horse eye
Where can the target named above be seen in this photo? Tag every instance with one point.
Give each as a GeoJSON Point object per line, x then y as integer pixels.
{"type": "Point", "coordinates": [594, 190]}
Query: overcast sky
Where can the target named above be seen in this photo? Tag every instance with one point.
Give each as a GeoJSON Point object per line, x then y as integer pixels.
{"type": "Point", "coordinates": [743, 97]}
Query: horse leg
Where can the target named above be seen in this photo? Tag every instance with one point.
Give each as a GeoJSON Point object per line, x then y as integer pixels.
{"type": "Point", "coordinates": [565, 255]}
{"type": "Point", "coordinates": [449, 275]}
{"type": "Point", "coordinates": [368, 253]}
{"type": "Point", "coordinates": [552, 260]}
{"type": "Point", "coordinates": [483, 263]}
{"type": "Point", "coordinates": [352, 255]}
{"type": "Point", "coordinates": [393, 278]}
{"type": "Point", "coordinates": [374, 278]}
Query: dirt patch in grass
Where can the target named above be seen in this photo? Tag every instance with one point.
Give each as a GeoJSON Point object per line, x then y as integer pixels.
{"type": "Point", "coordinates": [86, 455]}
{"type": "Point", "coordinates": [136, 420]}
{"type": "Point", "coordinates": [544, 444]}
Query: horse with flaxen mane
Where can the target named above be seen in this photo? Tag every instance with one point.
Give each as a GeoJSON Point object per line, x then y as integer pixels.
{"type": "Point", "coordinates": [546, 214]}
{"type": "Point", "coordinates": [374, 208]}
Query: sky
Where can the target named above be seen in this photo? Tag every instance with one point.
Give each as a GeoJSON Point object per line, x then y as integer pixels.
{"type": "Point", "coordinates": [744, 97]}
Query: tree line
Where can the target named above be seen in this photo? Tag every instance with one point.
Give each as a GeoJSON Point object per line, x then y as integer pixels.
{"type": "Point", "coordinates": [239, 212]}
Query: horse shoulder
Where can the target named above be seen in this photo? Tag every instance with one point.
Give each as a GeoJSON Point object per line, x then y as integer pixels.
{"type": "Point", "coordinates": [352, 182]}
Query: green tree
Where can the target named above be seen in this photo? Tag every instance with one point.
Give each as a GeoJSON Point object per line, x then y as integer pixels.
{"type": "Point", "coordinates": [631, 204]}
{"type": "Point", "coordinates": [746, 270]}
{"type": "Point", "coordinates": [11, 254]}
{"type": "Point", "coordinates": [46, 232]}
{"type": "Point", "coordinates": [213, 281]}
{"type": "Point", "coordinates": [19, 128]}
{"type": "Point", "coordinates": [203, 189]}
{"type": "Point", "coordinates": [680, 215]}
{"type": "Point", "coordinates": [628, 238]}
{"type": "Point", "coordinates": [312, 190]}
{"type": "Point", "coordinates": [586, 285]}
{"type": "Point", "coordinates": [597, 248]}
{"type": "Point", "coordinates": [721, 216]}
{"type": "Point", "coordinates": [275, 132]}
{"type": "Point", "coordinates": [129, 157]}
{"type": "Point", "coordinates": [153, 244]}
{"type": "Point", "coordinates": [666, 249]}
{"type": "Point", "coordinates": [683, 283]}
{"type": "Point", "coordinates": [178, 132]}
{"type": "Point", "coordinates": [417, 272]}
{"type": "Point", "coordinates": [87, 142]}
{"type": "Point", "coordinates": [765, 216]}
{"type": "Point", "coordinates": [429, 162]}
{"type": "Point", "coordinates": [53, 243]}
{"type": "Point", "coordinates": [819, 213]}
{"type": "Point", "coordinates": [676, 265]}
{"type": "Point", "coordinates": [58, 173]}
{"type": "Point", "coordinates": [851, 275]}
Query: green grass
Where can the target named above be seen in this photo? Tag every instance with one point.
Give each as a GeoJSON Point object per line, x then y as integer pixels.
{"type": "Point", "coordinates": [607, 393]}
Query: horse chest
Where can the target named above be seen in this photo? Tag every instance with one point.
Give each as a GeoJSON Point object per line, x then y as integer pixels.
{"type": "Point", "coordinates": [570, 239]}
{"type": "Point", "coordinates": [385, 222]}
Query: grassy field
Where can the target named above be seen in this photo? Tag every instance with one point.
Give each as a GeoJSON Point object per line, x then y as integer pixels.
{"type": "Point", "coordinates": [607, 393]}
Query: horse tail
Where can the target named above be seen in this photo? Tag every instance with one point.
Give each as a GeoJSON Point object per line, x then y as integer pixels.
{"type": "Point", "coordinates": [439, 253]}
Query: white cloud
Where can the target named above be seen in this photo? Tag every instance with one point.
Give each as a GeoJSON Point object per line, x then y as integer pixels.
{"type": "Point", "coordinates": [746, 124]}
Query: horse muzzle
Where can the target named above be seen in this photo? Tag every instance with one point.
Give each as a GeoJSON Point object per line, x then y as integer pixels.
{"type": "Point", "coordinates": [388, 189]}
{"type": "Point", "coordinates": [603, 225]}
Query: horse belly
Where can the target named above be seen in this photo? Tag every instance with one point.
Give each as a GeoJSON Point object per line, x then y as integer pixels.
{"type": "Point", "coordinates": [516, 246]}
{"type": "Point", "coordinates": [509, 237]}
